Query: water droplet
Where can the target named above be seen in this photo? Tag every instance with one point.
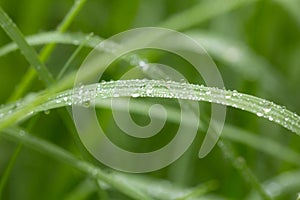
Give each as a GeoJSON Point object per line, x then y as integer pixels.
{"type": "Point", "coordinates": [259, 114]}
{"type": "Point", "coordinates": [286, 119]}
{"type": "Point", "coordinates": [47, 112]}
{"type": "Point", "coordinates": [135, 95]}
{"type": "Point", "coordinates": [21, 133]}
{"type": "Point", "coordinates": [234, 93]}
{"type": "Point", "coordinates": [87, 103]}
{"type": "Point", "coordinates": [267, 110]}
{"type": "Point", "coordinates": [270, 118]}
{"type": "Point", "coordinates": [227, 96]}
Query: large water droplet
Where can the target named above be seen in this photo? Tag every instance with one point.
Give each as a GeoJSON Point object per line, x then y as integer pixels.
{"type": "Point", "coordinates": [134, 95]}
{"type": "Point", "coordinates": [259, 114]}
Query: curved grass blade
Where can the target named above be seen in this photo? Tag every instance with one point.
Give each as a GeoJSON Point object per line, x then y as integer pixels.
{"type": "Point", "coordinates": [159, 88]}
{"type": "Point", "coordinates": [234, 54]}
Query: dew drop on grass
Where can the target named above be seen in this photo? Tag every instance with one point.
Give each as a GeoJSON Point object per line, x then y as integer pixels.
{"type": "Point", "coordinates": [267, 109]}
{"type": "Point", "coordinates": [87, 103]}
{"type": "Point", "coordinates": [21, 133]}
{"type": "Point", "coordinates": [259, 114]}
{"type": "Point", "coordinates": [227, 96]}
{"type": "Point", "coordinates": [270, 118]}
{"type": "Point", "coordinates": [135, 95]}
{"type": "Point", "coordinates": [234, 93]}
{"type": "Point", "coordinates": [47, 112]}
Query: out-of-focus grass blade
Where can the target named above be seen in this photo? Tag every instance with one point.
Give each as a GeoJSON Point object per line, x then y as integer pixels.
{"type": "Point", "coordinates": [285, 183]}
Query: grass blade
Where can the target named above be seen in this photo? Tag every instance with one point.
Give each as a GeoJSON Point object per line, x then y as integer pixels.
{"type": "Point", "coordinates": [30, 54]}
{"type": "Point", "coordinates": [160, 88]}
{"type": "Point", "coordinates": [64, 156]}
{"type": "Point", "coordinates": [202, 12]}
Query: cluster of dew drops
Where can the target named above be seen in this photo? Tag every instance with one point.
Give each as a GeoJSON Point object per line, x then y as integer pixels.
{"type": "Point", "coordinates": [86, 95]}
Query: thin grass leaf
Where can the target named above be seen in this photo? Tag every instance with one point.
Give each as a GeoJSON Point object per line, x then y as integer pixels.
{"type": "Point", "coordinates": [15, 34]}
{"type": "Point", "coordinates": [73, 56]}
{"type": "Point", "coordinates": [234, 54]}
{"type": "Point", "coordinates": [259, 142]}
{"type": "Point", "coordinates": [201, 12]}
{"type": "Point", "coordinates": [230, 132]}
{"type": "Point", "coordinates": [60, 154]}
{"type": "Point", "coordinates": [153, 187]}
{"type": "Point", "coordinates": [284, 183]}
{"type": "Point", "coordinates": [46, 52]}
{"type": "Point", "coordinates": [8, 169]}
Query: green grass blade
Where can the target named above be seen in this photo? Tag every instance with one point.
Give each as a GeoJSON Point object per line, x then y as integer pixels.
{"type": "Point", "coordinates": [54, 37]}
{"type": "Point", "coordinates": [73, 56]}
{"type": "Point", "coordinates": [58, 153]}
{"type": "Point", "coordinates": [163, 89]}
{"type": "Point", "coordinates": [30, 54]}
{"type": "Point", "coordinates": [205, 10]}
{"type": "Point", "coordinates": [9, 168]}
{"type": "Point", "coordinates": [46, 52]}
{"type": "Point", "coordinates": [243, 60]}
{"type": "Point", "coordinates": [284, 183]}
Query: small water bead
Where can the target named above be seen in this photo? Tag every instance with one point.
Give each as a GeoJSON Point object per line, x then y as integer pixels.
{"type": "Point", "coordinates": [267, 110]}
{"type": "Point", "coordinates": [228, 96]}
{"type": "Point", "coordinates": [135, 95]}
{"type": "Point", "coordinates": [234, 93]}
{"type": "Point", "coordinates": [208, 92]}
{"type": "Point", "coordinates": [22, 133]}
{"type": "Point", "coordinates": [259, 114]}
{"type": "Point", "coordinates": [47, 112]}
{"type": "Point", "coordinates": [87, 103]}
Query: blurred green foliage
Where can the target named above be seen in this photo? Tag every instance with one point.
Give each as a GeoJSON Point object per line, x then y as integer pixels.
{"type": "Point", "coordinates": [266, 34]}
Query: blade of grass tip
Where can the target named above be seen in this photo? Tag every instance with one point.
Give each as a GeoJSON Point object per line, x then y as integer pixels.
{"type": "Point", "coordinates": [8, 169]}
{"type": "Point", "coordinates": [60, 154]}
{"type": "Point", "coordinates": [73, 56]}
{"type": "Point", "coordinates": [15, 34]}
{"type": "Point", "coordinates": [201, 12]}
{"type": "Point", "coordinates": [47, 50]}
